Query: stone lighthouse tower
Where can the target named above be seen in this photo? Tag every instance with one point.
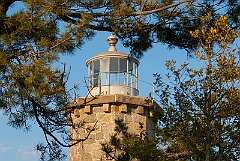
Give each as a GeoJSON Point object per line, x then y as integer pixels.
{"type": "Point", "coordinates": [112, 94]}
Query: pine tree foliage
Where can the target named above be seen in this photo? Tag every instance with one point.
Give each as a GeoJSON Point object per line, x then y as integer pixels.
{"type": "Point", "coordinates": [31, 41]}
{"type": "Point", "coordinates": [201, 106]}
{"type": "Point", "coordinates": [126, 146]}
{"type": "Point", "coordinates": [138, 23]}
{"type": "Point", "coordinates": [201, 120]}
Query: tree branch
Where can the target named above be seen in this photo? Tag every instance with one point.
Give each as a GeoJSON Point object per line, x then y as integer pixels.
{"type": "Point", "coordinates": [96, 15]}
{"type": "Point", "coordinates": [46, 131]}
{"type": "Point", "coordinates": [160, 9]}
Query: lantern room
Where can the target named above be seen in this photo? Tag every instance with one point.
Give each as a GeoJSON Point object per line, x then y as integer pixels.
{"type": "Point", "coordinates": [112, 72]}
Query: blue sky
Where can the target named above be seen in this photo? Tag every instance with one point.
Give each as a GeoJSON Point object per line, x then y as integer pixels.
{"type": "Point", "coordinates": [15, 145]}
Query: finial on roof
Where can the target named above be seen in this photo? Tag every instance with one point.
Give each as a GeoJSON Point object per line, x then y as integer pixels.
{"type": "Point", "coordinates": [112, 41]}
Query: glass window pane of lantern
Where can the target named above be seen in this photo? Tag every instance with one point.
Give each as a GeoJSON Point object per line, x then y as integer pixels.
{"type": "Point", "coordinates": [130, 65]}
{"type": "Point", "coordinates": [104, 79]}
{"type": "Point", "coordinates": [96, 71]}
{"type": "Point", "coordinates": [133, 82]}
{"type": "Point", "coordinates": [90, 74]}
{"type": "Point", "coordinates": [95, 79]}
{"type": "Point", "coordinates": [90, 81]}
{"type": "Point", "coordinates": [123, 65]}
{"type": "Point", "coordinates": [90, 67]}
{"type": "Point", "coordinates": [96, 66]}
{"type": "Point", "coordinates": [113, 64]}
{"type": "Point", "coordinates": [104, 65]}
{"type": "Point", "coordinates": [113, 78]}
{"type": "Point", "coordinates": [133, 71]}
{"type": "Point", "coordinates": [122, 79]}
{"type": "Point", "coordinates": [129, 79]}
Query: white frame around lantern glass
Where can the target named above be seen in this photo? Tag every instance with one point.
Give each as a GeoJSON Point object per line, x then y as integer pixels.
{"type": "Point", "coordinates": [112, 71]}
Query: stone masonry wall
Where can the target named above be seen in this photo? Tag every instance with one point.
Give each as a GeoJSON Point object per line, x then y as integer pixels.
{"type": "Point", "coordinates": [102, 112]}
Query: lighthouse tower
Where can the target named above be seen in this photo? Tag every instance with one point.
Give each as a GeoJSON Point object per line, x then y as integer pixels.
{"type": "Point", "coordinates": [112, 94]}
